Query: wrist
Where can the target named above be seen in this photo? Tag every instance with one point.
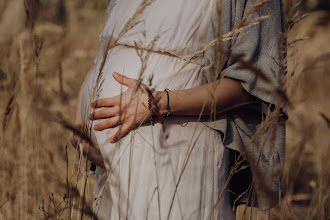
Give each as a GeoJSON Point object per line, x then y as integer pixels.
{"type": "Point", "coordinates": [161, 98]}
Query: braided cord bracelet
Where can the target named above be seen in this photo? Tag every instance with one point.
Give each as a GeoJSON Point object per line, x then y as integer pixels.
{"type": "Point", "coordinates": [168, 110]}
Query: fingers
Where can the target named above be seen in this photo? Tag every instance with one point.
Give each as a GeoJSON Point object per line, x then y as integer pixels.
{"type": "Point", "coordinates": [110, 123]}
{"type": "Point", "coordinates": [109, 102]}
{"type": "Point", "coordinates": [125, 129]}
{"type": "Point", "coordinates": [124, 80]}
{"type": "Point", "coordinates": [105, 113]}
{"type": "Point", "coordinates": [106, 102]}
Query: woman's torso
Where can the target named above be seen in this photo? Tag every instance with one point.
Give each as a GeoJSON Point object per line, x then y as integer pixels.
{"type": "Point", "coordinates": [167, 34]}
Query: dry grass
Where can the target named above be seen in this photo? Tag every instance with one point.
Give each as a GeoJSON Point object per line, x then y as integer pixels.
{"type": "Point", "coordinates": [42, 65]}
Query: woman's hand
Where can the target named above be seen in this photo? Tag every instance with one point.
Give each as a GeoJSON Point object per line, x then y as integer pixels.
{"type": "Point", "coordinates": [92, 153]}
{"type": "Point", "coordinates": [128, 110]}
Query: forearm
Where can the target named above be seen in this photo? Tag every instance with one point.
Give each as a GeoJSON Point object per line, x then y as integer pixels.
{"type": "Point", "coordinates": [212, 98]}
{"type": "Point", "coordinates": [78, 113]}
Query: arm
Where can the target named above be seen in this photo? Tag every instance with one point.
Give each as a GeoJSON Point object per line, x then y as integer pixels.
{"type": "Point", "coordinates": [130, 109]}
{"type": "Point", "coordinates": [222, 95]}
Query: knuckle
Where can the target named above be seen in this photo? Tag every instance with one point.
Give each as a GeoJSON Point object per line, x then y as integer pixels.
{"type": "Point", "coordinates": [102, 114]}
{"type": "Point", "coordinates": [100, 103]}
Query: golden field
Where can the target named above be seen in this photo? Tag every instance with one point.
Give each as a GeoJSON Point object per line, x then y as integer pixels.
{"type": "Point", "coordinates": [44, 57]}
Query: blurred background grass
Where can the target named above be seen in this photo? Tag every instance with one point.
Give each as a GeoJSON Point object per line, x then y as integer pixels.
{"type": "Point", "coordinates": [37, 162]}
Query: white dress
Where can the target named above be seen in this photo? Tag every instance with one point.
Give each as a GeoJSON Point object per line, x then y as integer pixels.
{"type": "Point", "coordinates": [152, 173]}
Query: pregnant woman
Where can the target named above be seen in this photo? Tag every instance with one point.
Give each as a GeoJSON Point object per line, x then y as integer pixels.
{"type": "Point", "coordinates": [169, 121]}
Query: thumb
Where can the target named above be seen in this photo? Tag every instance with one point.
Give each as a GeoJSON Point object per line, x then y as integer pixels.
{"type": "Point", "coordinates": [124, 80]}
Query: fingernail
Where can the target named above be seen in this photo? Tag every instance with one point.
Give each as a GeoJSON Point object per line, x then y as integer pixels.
{"type": "Point", "coordinates": [96, 127]}
{"type": "Point", "coordinates": [115, 74]}
{"type": "Point", "coordinates": [93, 104]}
{"type": "Point", "coordinates": [112, 140]}
{"type": "Point", "coordinates": [90, 116]}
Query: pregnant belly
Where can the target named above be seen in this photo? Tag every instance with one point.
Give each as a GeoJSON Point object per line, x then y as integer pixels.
{"type": "Point", "coordinates": [158, 71]}
{"type": "Point", "coordinates": [170, 143]}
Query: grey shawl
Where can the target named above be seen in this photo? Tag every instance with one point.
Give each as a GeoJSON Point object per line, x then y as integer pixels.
{"type": "Point", "coordinates": [260, 45]}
